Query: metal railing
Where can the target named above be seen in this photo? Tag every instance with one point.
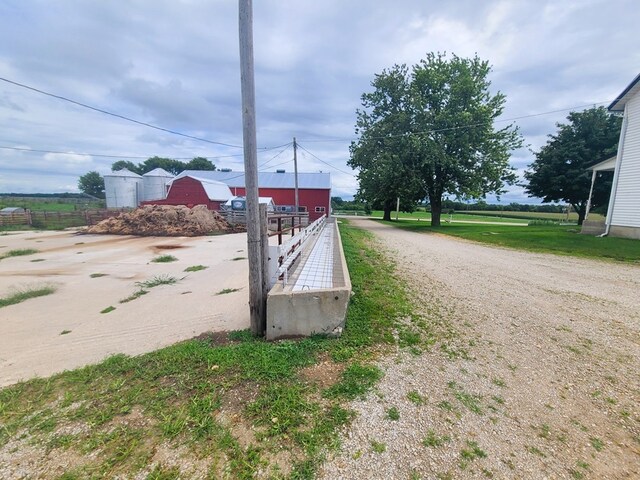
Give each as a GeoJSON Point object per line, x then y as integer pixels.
{"type": "Point", "coordinates": [290, 251]}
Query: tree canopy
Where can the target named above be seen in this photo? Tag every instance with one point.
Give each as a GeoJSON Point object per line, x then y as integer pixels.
{"type": "Point", "coordinates": [428, 132]}
{"type": "Point", "coordinates": [559, 172]}
{"type": "Point", "coordinates": [168, 164]}
{"type": "Point", "coordinates": [92, 184]}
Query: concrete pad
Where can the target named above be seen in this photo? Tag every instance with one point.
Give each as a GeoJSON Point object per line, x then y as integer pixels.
{"type": "Point", "coordinates": [31, 339]}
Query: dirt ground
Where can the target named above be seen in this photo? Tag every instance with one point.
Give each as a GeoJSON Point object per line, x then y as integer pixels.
{"type": "Point", "coordinates": [534, 373]}
{"type": "Point", "coordinates": [65, 330]}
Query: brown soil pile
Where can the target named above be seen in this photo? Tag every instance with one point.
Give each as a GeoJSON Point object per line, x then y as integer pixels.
{"type": "Point", "coordinates": [164, 220]}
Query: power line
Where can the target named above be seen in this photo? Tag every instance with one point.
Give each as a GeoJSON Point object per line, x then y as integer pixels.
{"type": "Point", "coordinates": [326, 163]}
{"type": "Point", "coordinates": [117, 115]}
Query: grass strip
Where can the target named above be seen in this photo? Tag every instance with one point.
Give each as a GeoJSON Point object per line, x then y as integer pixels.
{"type": "Point", "coordinates": [232, 404]}
{"type": "Point", "coordinates": [19, 253]}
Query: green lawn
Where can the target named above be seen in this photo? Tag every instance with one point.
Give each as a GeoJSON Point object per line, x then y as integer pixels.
{"type": "Point", "coordinates": [426, 216]}
{"type": "Point", "coordinates": [561, 240]}
{"type": "Point", "coordinates": [228, 404]}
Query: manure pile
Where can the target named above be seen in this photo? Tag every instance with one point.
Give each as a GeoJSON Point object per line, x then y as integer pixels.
{"type": "Point", "coordinates": [166, 221]}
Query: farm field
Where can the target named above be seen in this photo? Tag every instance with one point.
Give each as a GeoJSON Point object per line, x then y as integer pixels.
{"type": "Point", "coordinates": [50, 205]}
{"type": "Point", "coordinates": [456, 217]}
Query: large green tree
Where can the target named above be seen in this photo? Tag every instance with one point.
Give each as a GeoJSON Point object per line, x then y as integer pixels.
{"type": "Point", "coordinates": [92, 183]}
{"type": "Point", "coordinates": [559, 172]}
{"type": "Point", "coordinates": [169, 164]}
{"type": "Point", "coordinates": [382, 154]}
{"type": "Point", "coordinates": [429, 132]}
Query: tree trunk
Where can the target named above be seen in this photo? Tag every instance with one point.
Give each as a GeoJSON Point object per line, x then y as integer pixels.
{"type": "Point", "coordinates": [582, 210]}
{"type": "Point", "coordinates": [436, 210]}
{"type": "Point", "coordinates": [387, 213]}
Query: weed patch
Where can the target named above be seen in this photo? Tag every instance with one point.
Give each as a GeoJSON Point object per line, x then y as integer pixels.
{"type": "Point", "coordinates": [156, 281]}
{"type": "Point", "coordinates": [26, 294]}
{"type": "Point", "coordinates": [164, 259]}
{"type": "Point", "coordinates": [108, 309]}
{"type": "Point", "coordinates": [224, 291]}
{"type": "Point", "coordinates": [19, 253]}
{"type": "Point", "coordinates": [195, 268]}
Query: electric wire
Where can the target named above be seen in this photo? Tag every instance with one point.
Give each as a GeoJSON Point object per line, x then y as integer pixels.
{"type": "Point", "coordinates": [326, 163]}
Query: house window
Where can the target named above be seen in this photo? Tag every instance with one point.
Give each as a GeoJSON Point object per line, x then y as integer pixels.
{"type": "Point", "coordinates": [320, 210]}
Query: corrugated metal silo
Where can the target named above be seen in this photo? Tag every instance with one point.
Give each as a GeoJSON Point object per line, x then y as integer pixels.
{"type": "Point", "coordinates": [155, 184]}
{"type": "Point", "coordinates": [123, 189]}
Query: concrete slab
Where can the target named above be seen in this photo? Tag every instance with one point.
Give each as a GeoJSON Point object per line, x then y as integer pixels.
{"type": "Point", "coordinates": [31, 339]}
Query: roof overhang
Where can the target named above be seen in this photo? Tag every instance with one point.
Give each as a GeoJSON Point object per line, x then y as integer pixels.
{"type": "Point", "coordinates": [618, 104]}
{"type": "Point", "coordinates": [608, 165]}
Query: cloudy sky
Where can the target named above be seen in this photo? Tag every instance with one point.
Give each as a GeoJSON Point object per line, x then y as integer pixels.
{"type": "Point", "coordinates": [175, 64]}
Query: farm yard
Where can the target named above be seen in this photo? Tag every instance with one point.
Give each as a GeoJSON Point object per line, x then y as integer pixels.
{"type": "Point", "coordinates": [478, 361]}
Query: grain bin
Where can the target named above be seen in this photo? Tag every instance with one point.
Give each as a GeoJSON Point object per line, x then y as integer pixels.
{"type": "Point", "coordinates": [123, 189]}
{"type": "Point", "coordinates": [155, 184]}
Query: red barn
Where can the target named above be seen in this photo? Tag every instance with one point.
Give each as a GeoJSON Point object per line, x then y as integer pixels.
{"type": "Point", "coordinates": [314, 189]}
{"type": "Point", "coordinates": [191, 190]}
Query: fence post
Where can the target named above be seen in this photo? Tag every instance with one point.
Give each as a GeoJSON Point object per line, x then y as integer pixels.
{"type": "Point", "coordinates": [279, 230]}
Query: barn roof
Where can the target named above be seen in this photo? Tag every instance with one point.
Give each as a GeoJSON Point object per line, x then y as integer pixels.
{"type": "Point", "coordinates": [217, 191]}
{"type": "Point", "coordinates": [316, 180]}
{"type": "Point", "coordinates": [618, 104]}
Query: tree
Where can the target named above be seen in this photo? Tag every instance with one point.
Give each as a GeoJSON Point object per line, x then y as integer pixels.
{"type": "Point", "coordinates": [129, 165]}
{"type": "Point", "coordinates": [383, 154]}
{"type": "Point", "coordinates": [92, 184]}
{"type": "Point", "coordinates": [428, 132]}
{"type": "Point", "coordinates": [200, 163]}
{"type": "Point", "coordinates": [559, 172]}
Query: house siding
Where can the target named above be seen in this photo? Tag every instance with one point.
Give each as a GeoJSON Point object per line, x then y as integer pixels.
{"type": "Point", "coordinates": [626, 206]}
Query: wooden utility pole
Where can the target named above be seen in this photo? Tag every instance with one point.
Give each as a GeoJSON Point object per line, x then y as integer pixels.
{"type": "Point", "coordinates": [257, 300]}
{"type": "Point", "coordinates": [295, 173]}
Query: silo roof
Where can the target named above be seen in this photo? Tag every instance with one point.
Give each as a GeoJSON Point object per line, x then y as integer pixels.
{"type": "Point", "coordinates": [122, 173]}
{"type": "Point", "coordinates": [158, 172]}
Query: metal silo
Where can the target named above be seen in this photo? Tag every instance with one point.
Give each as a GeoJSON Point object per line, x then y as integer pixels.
{"type": "Point", "coordinates": [155, 184]}
{"type": "Point", "coordinates": [123, 189]}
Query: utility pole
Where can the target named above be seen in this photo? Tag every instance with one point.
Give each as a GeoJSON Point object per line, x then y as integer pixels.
{"type": "Point", "coordinates": [397, 208]}
{"type": "Point", "coordinates": [295, 173]}
{"type": "Point", "coordinates": [257, 300]}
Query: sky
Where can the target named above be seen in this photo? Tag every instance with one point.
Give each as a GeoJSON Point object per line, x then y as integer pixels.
{"type": "Point", "coordinates": [175, 64]}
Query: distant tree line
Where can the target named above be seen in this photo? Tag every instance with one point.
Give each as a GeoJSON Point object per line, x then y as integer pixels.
{"type": "Point", "coordinates": [92, 183]}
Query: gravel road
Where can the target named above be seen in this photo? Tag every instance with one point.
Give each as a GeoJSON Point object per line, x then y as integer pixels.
{"type": "Point", "coordinates": [534, 372]}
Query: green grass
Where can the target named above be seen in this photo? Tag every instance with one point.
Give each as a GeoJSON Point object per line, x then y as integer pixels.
{"type": "Point", "coordinates": [98, 275]}
{"type": "Point", "coordinates": [164, 259]}
{"type": "Point", "coordinates": [134, 296]}
{"type": "Point", "coordinates": [560, 240]}
{"type": "Point", "coordinates": [26, 294]}
{"type": "Point", "coordinates": [378, 447]}
{"type": "Point", "coordinates": [225, 291]}
{"type": "Point", "coordinates": [232, 402]}
{"type": "Point", "coordinates": [156, 281]}
{"type": "Point", "coordinates": [434, 440]}
{"type": "Point", "coordinates": [195, 268]}
{"type": "Point", "coordinates": [108, 309]}
{"type": "Point", "coordinates": [415, 397]}
{"type": "Point", "coordinates": [393, 414]}
{"type": "Point", "coordinates": [19, 253]}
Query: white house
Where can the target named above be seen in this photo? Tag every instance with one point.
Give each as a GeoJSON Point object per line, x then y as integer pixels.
{"type": "Point", "coordinates": [623, 216]}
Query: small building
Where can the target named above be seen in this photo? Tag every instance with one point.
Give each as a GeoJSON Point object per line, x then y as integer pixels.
{"type": "Point", "coordinates": [192, 190]}
{"type": "Point", "coordinates": [314, 189]}
{"type": "Point", "coordinates": [623, 216]}
{"type": "Point", "coordinates": [123, 189]}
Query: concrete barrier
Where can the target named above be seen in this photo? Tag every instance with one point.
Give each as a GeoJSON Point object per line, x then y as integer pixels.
{"type": "Point", "coordinates": [300, 313]}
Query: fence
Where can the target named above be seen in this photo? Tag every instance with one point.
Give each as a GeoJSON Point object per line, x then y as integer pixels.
{"type": "Point", "coordinates": [55, 220]}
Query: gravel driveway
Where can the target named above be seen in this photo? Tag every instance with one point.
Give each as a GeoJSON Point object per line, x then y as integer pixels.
{"type": "Point", "coordinates": [534, 373]}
